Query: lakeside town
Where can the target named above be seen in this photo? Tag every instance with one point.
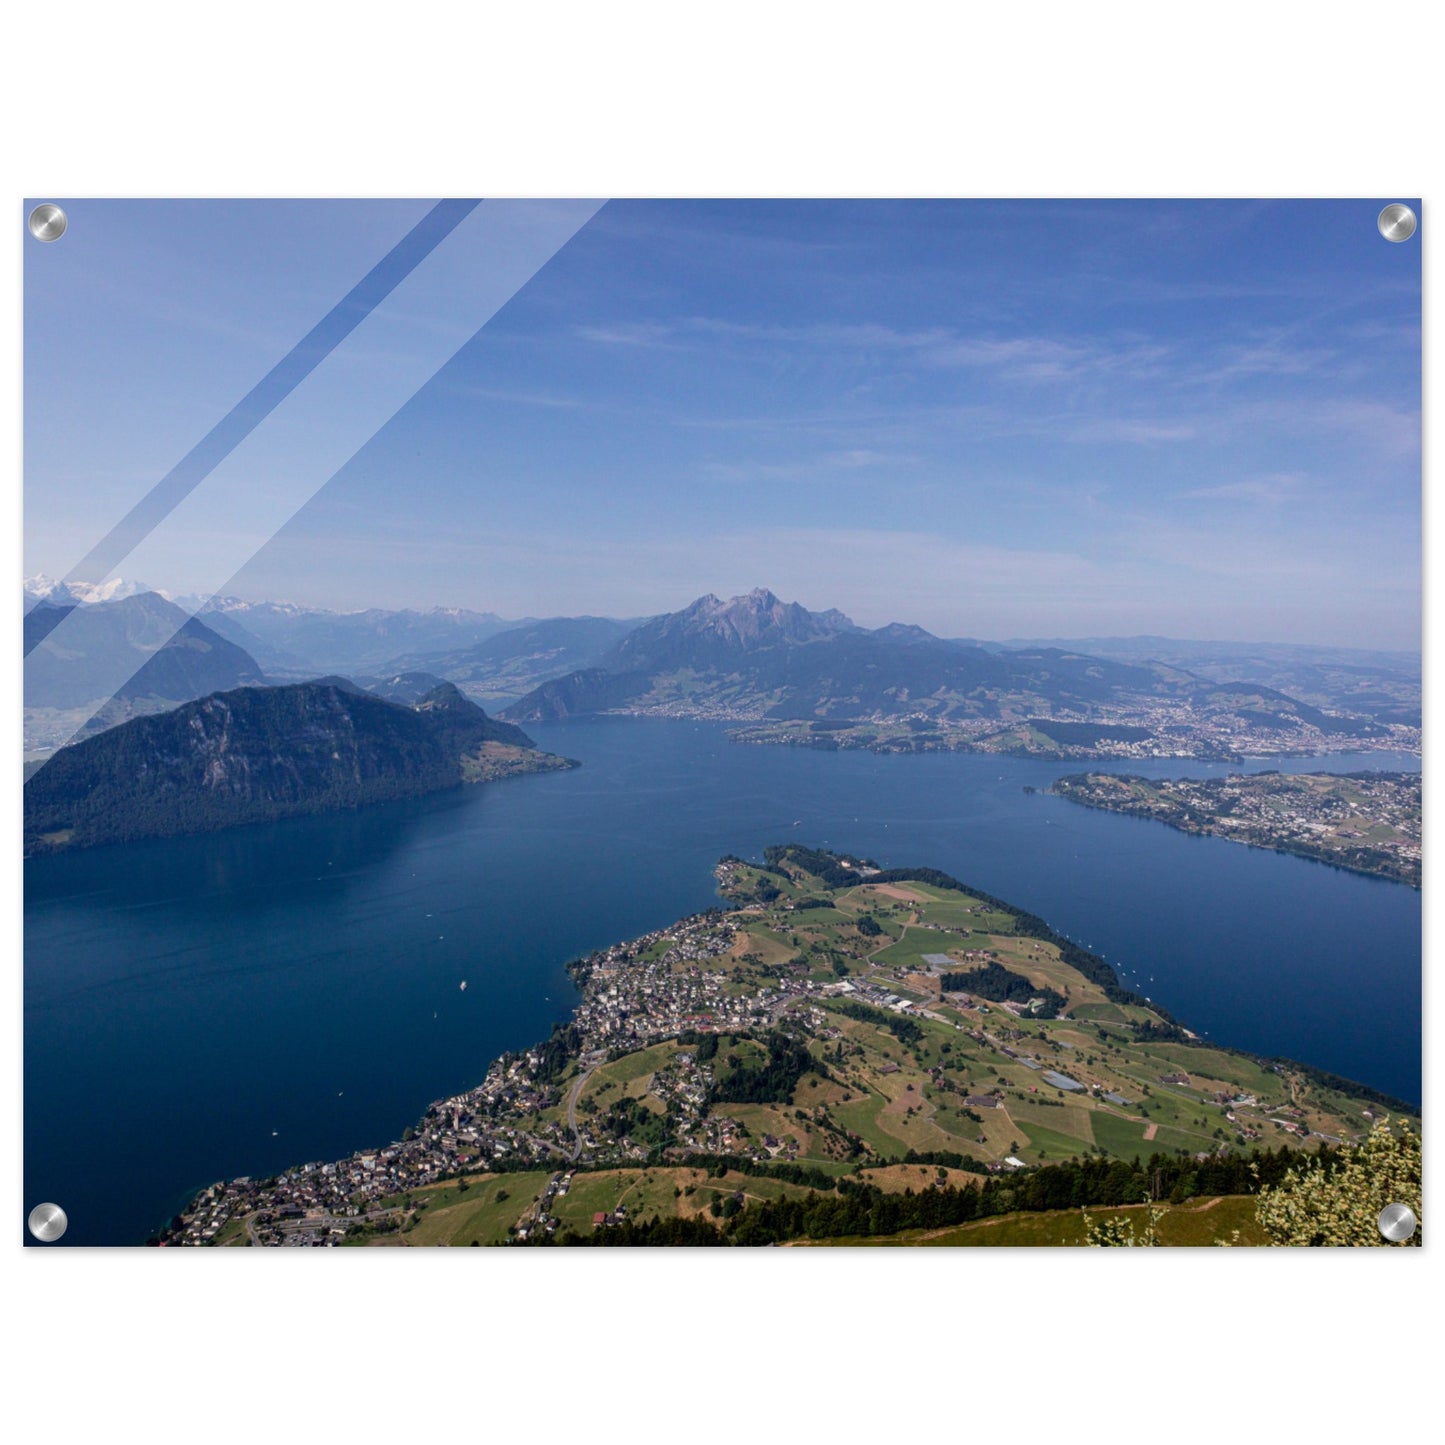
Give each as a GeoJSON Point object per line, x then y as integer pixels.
{"type": "Point", "coordinates": [633, 994]}
{"type": "Point", "coordinates": [1149, 731]}
{"type": "Point", "coordinates": [1366, 822]}
{"type": "Point", "coordinates": [842, 1026]}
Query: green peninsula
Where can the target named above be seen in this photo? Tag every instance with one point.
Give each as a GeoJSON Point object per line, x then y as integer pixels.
{"type": "Point", "coordinates": [842, 1052]}
{"type": "Point", "coordinates": [1366, 822]}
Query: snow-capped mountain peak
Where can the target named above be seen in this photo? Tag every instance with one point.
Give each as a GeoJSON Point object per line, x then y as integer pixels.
{"type": "Point", "coordinates": [41, 588]}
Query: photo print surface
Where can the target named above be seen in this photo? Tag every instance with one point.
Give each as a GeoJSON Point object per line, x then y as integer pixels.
{"type": "Point", "coordinates": [595, 723]}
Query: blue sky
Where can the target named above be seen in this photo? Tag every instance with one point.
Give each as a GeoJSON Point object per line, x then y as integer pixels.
{"type": "Point", "coordinates": [996, 419]}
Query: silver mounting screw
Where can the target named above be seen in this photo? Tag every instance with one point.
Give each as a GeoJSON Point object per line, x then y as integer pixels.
{"type": "Point", "coordinates": [47, 1222]}
{"type": "Point", "coordinates": [1397, 222]}
{"type": "Point", "coordinates": [47, 222]}
{"type": "Point", "coordinates": [1397, 1222]}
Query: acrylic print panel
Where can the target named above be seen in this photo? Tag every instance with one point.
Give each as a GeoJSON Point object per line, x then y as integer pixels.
{"type": "Point", "coordinates": [721, 722]}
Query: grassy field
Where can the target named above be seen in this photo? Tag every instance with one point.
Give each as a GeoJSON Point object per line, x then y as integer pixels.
{"type": "Point", "coordinates": [908, 952]}
{"type": "Point", "coordinates": [762, 940]}
{"type": "Point", "coordinates": [627, 1077]}
{"type": "Point", "coordinates": [661, 1191]}
{"type": "Point", "coordinates": [1046, 1142]}
{"type": "Point", "coordinates": [1199, 1223]}
{"type": "Point", "coordinates": [642, 1192]}
{"type": "Point", "coordinates": [1102, 1012]}
{"type": "Point", "coordinates": [895, 1178]}
{"type": "Point", "coordinates": [481, 1213]}
{"type": "Point", "coordinates": [965, 916]}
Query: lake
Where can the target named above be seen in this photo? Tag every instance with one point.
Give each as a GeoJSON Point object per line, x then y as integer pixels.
{"type": "Point", "coordinates": [234, 1003]}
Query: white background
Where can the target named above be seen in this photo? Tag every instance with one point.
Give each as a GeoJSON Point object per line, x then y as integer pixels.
{"type": "Point", "coordinates": [624, 99]}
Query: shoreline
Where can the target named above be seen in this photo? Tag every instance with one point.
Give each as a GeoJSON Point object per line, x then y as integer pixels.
{"type": "Point", "coordinates": [1185, 805]}
{"type": "Point", "coordinates": [479, 1130]}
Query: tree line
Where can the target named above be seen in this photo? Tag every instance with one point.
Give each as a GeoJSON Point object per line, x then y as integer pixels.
{"type": "Point", "coordinates": [852, 1208]}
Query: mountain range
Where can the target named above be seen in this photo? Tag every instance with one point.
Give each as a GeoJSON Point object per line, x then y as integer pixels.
{"type": "Point", "coordinates": [756, 656]}
{"type": "Point", "coordinates": [136, 653]}
{"type": "Point", "coordinates": [511, 663]}
{"type": "Point", "coordinates": [752, 658]}
{"type": "Point", "coordinates": [127, 650]}
{"type": "Point", "coordinates": [307, 640]}
{"type": "Point", "coordinates": [818, 679]}
{"type": "Point", "coordinates": [41, 588]}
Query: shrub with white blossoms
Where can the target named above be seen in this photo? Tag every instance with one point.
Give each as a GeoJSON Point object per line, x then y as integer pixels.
{"type": "Point", "coordinates": [1115, 1232]}
{"type": "Point", "coordinates": [1341, 1205]}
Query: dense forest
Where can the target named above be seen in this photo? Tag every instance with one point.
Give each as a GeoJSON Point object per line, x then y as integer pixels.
{"type": "Point", "coordinates": [788, 1060]}
{"type": "Point", "coordinates": [905, 1030]}
{"type": "Point", "coordinates": [1002, 985]}
{"type": "Point", "coordinates": [253, 755]}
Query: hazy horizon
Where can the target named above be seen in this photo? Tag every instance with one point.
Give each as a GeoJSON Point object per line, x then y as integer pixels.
{"type": "Point", "coordinates": [482, 609]}
{"type": "Point", "coordinates": [1198, 420]}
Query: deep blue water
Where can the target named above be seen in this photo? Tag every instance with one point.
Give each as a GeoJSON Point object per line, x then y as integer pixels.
{"type": "Point", "coordinates": [235, 1003]}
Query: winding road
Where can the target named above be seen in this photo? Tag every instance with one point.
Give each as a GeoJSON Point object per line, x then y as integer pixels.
{"type": "Point", "coordinates": [591, 1061]}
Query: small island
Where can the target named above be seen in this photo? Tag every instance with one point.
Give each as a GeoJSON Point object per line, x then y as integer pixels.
{"type": "Point", "coordinates": [839, 1052]}
{"type": "Point", "coordinates": [1366, 822]}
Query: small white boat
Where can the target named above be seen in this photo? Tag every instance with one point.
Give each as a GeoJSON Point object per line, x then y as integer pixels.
{"type": "Point", "coordinates": [463, 985]}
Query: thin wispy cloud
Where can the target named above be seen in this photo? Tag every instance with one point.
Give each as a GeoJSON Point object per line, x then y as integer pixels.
{"type": "Point", "coordinates": [1136, 413]}
{"type": "Point", "coordinates": [832, 466]}
{"type": "Point", "coordinates": [1268, 360]}
{"type": "Point", "coordinates": [1131, 432]}
{"type": "Point", "coordinates": [1273, 490]}
{"type": "Point", "coordinates": [624, 334]}
{"type": "Point", "coordinates": [1019, 357]}
{"type": "Point", "coordinates": [1045, 358]}
{"type": "Point", "coordinates": [522, 398]}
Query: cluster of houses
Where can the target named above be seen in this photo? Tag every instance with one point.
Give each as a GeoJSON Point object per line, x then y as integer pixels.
{"type": "Point", "coordinates": [656, 987]}
{"type": "Point", "coordinates": [540, 1219]}
{"type": "Point", "coordinates": [634, 994]}
{"type": "Point", "coordinates": [318, 1203]}
{"type": "Point", "coordinates": [1260, 810]}
{"type": "Point", "coordinates": [1379, 815]}
{"type": "Point", "coordinates": [209, 1214]}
